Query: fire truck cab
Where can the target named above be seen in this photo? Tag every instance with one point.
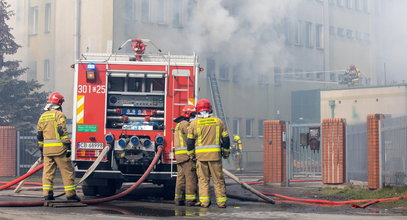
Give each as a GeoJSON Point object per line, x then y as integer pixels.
{"type": "Point", "coordinates": [128, 103]}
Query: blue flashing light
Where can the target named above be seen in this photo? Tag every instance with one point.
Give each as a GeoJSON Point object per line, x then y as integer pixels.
{"type": "Point", "coordinates": [134, 140]}
{"type": "Point", "coordinates": [122, 142]}
{"type": "Point", "coordinates": [109, 138]}
{"type": "Point", "coordinates": [146, 143]}
{"type": "Point", "coordinates": [159, 139]}
{"type": "Point", "coordinates": [91, 66]}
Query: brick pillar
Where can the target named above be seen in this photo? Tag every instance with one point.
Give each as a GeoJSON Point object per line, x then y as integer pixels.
{"type": "Point", "coordinates": [333, 151]}
{"type": "Point", "coordinates": [373, 165]}
{"type": "Point", "coordinates": [274, 152]}
{"type": "Point", "coordinates": [8, 147]}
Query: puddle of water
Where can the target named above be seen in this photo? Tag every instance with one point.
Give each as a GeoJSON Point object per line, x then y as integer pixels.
{"type": "Point", "coordinates": [136, 210]}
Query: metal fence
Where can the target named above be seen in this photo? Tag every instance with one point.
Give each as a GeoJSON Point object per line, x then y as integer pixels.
{"type": "Point", "coordinates": [303, 162]}
{"type": "Point", "coordinates": [393, 151]}
{"type": "Point", "coordinates": [356, 152]}
{"type": "Point", "coordinates": [27, 151]}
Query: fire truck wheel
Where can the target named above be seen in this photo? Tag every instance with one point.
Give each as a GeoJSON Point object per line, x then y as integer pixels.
{"type": "Point", "coordinates": [169, 190]}
{"type": "Point", "coordinates": [89, 190]}
{"type": "Point", "coordinates": [110, 189]}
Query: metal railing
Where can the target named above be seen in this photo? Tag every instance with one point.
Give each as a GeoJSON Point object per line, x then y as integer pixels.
{"type": "Point", "coordinates": [356, 152]}
{"type": "Point", "coordinates": [27, 151]}
{"type": "Point", "coordinates": [393, 151]}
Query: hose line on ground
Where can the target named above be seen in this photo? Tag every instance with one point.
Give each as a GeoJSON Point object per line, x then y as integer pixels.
{"type": "Point", "coordinates": [22, 177]}
{"type": "Point", "coordinates": [91, 201]}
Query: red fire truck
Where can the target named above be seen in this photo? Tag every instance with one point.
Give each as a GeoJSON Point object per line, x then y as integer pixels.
{"type": "Point", "coordinates": [129, 102]}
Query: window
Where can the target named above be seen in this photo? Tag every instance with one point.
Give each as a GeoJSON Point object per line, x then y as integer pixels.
{"type": "Point", "coordinates": [47, 25]}
{"type": "Point", "coordinates": [176, 13]}
{"type": "Point", "coordinates": [249, 127]}
{"type": "Point", "coordinates": [131, 11]}
{"type": "Point", "coordinates": [33, 20]}
{"type": "Point", "coordinates": [308, 34]}
{"type": "Point", "coordinates": [288, 73]}
{"type": "Point", "coordinates": [319, 34]}
{"type": "Point", "coordinates": [365, 6]}
{"type": "Point", "coordinates": [47, 70]}
{"type": "Point", "coordinates": [236, 126]}
{"type": "Point", "coordinates": [145, 11]}
{"type": "Point", "coordinates": [236, 73]}
{"type": "Point", "coordinates": [341, 32]}
{"type": "Point", "coordinates": [160, 11]}
{"type": "Point", "coordinates": [349, 34]}
{"type": "Point", "coordinates": [261, 126]}
{"type": "Point", "coordinates": [263, 78]}
{"type": "Point", "coordinates": [297, 34]}
{"type": "Point", "coordinates": [32, 72]}
{"type": "Point", "coordinates": [357, 5]}
{"type": "Point", "coordinates": [348, 4]}
{"type": "Point", "coordinates": [367, 37]}
{"type": "Point", "coordinates": [287, 32]}
{"type": "Point", "coordinates": [332, 30]}
{"type": "Point", "coordinates": [224, 72]}
{"type": "Point", "coordinates": [277, 76]}
{"type": "Point", "coordinates": [332, 77]}
{"type": "Point", "coordinates": [358, 35]}
{"type": "Point", "coordinates": [320, 76]}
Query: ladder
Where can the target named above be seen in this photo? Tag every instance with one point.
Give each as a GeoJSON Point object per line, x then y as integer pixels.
{"type": "Point", "coordinates": [216, 98]}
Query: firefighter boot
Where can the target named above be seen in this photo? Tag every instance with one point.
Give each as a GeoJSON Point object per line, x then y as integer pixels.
{"type": "Point", "coordinates": [74, 198]}
{"type": "Point", "coordinates": [50, 196]}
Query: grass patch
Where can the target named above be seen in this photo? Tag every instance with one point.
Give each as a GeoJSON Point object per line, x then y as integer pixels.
{"type": "Point", "coordinates": [352, 192]}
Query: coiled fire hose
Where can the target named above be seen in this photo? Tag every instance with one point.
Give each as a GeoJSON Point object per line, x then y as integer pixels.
{"type": "Point", "coordinates": [91, 201]}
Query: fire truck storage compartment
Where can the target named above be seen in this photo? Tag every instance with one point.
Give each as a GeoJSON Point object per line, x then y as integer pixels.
{"type": "Point", "coordinates": [135, 101]}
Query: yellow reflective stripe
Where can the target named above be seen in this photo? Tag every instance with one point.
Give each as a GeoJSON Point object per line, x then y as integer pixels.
{"type": "Point", "coordinates": [208, 150]}
{"type": "Point", "coordinates": [221, 199]}
{"type": "Point", "coordinates": [40, 142]}
{"type": "Point", "coordinates": [181, 152]}
{"type": "Point", "coordinates": [190, 196]}
{"type": "Point", "coordinates": [178, 196]}
{"type": "Point", "coordinates": [190, 136]}
{"type": "Point", "coordinates": [217, 135]}
{"type": "Point", "coordinates": [204, 199]}
{"type": "Point", "coordinates": [47, 187]}
{"type": "Point", "coordinates": [47, 117]}
{"type": "Point", "coordinates": [199, 143]}
{"type": "Point", "coordinates": [52, 144]}
{"type": "Point", "coordinates": [69, 188]}
{"type": "Point", "coordinates": [225, 150]}
{"type": "Point", "coordinates": [62, 120]}
{"type": "Point", "coordinates": [65, 137]}
{"type": "Point", "coordinates": [190, 152]}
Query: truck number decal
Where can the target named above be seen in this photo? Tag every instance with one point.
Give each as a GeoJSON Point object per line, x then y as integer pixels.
{"type": "Point", "coordinates": [92, 89]}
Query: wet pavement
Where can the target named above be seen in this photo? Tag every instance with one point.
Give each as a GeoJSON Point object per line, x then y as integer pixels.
{"type": "Point", "coordinates": [147, 202]}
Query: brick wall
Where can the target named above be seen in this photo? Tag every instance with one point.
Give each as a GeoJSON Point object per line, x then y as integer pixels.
{"type": "Point", "coordinates": [8, 145]}
{"type": "Point", "coordinates": [373, 167]}
{"type": "Point", "coordinates": [333, 151]}
{"type": "Point", "coordinates": [274, 152]}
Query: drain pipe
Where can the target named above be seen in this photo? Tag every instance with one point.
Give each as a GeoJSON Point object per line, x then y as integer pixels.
{"type": "Point", "coordinates": [92, 201]}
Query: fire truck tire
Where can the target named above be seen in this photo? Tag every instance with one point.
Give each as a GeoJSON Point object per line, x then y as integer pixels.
{"type": "Point", "coordinates": [110, 189]}
{"type": "Point", "coordinates": [89, 190]}
{"type": "Point", "coordinates": [169, 190]}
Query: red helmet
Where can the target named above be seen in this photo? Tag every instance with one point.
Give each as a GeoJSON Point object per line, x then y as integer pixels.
{"type": "Point", "coordinates": [56, 98]}
{"type": "Point", "coordinates": [203, 105]}
{"type": "Point", "coordinates": [187, 110]}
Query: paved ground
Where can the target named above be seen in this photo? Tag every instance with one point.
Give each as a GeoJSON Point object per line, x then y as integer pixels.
{"type": "Point", "coordinates": [147, 203]}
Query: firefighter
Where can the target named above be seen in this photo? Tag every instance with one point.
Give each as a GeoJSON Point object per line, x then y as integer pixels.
{"type": "Point", "coordinates": [237, 152]}
{"type": "Point", "coordinates": [55, 148]}
{"type": "Point", "coordinates": [186, 184]}
{"type": "Point", "coordinates": [208, 141]}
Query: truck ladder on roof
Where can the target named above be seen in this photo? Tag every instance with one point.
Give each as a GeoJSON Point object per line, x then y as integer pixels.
{"type": "Point", "coordinates": [216, 98]}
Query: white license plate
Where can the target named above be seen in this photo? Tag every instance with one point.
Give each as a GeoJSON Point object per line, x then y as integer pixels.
{"type": "Point", "coordinates": [90, 145]}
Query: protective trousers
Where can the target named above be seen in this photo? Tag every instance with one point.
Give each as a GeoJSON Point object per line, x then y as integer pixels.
{"type": "Point", "coordinates": [205, 170]}
{"type": "Point", "coordinates": [48, 175]}
{"type": "Point", "coordinates": [186, 185]}
{"type": "Point", "coordinates": [238, 161]}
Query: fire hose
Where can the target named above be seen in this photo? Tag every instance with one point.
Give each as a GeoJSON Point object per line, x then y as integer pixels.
{"type": "Point", "coordinates": [91, 201]}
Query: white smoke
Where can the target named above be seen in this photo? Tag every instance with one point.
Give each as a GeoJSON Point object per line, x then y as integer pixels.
{"type": "Point", "coordinates": [240, 32]}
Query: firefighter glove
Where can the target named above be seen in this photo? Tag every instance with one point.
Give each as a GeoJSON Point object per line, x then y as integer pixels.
{"type": "Point", "coordinates": [42, 152]}
{"type": "Point", "coordinates": [191, 154]}
{"type": "Point", "coordinates": [68, 149]}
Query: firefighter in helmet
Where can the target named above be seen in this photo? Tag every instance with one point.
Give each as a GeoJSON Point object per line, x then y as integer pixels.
{"type": "Point", "coordinates": [55, 148]}
{"type": "Point", "coordinates": [237, 149]}
{"type": "Point", "coordinates": [208, 141]}
{"type": "Point", "coordinates": [186, 184]}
